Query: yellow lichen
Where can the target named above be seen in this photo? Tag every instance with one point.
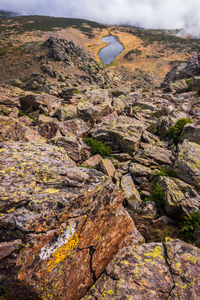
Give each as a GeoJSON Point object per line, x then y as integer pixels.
{"type": "Point", "coordinates": [156, 253]}
{"type": "Point", "coordinates": [60, 254]}
{"type": "Point", "coordinates": [52, 191]}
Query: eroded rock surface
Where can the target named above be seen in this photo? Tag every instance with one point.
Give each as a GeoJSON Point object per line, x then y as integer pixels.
{"type": "Point", "coordinates": [151, 271]}
{"type": "Point", "coordinates": [60, 225]}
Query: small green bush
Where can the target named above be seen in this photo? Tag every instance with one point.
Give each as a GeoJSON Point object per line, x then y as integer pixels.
{"type": "Point", "coordinates": [188, 81]}
{"type": "Point", "coordinates": [157, 194]}
{"type": "Point", "coordinates": [175, 131]}
{"type": "Point", "coordinates": [164, 171]}
{"type": "Point", "coordinates": [189, 224]}
{"type": "Point", "coordinates": [198, 92]}
{"type": "Point", "coordinates": [98, 147]}
{"type": "Point", "coordinates": [21, 114]}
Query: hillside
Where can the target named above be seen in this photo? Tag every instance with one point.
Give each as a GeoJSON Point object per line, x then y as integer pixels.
{"type": "Point", "coordinates": [99, 166]}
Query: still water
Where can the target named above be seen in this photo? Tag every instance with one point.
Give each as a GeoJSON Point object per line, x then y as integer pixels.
{"type": "Point", "coordinates": [110, 52]}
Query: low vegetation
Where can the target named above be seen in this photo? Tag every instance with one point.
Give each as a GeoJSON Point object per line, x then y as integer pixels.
{"type": "Point", "coordinates": [98, 147]}
{"type": "Point", "coordinates": [157, 194]}
{"type": "Point", "coordinates": [175, 131]}
{"type": "Point", "coordinates": [189, 224]}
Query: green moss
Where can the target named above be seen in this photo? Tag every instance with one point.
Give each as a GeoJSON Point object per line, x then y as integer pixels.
{"type": "Point", "coordinates": [189, 224]}
{"type": "Point", "coordinates": [97, 147]}
{"type": "Point", "coordinates": [175, 131]}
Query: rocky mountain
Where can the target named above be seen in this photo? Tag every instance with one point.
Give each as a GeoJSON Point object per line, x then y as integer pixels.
{"type": "Point", "coordinates": [100, 178]}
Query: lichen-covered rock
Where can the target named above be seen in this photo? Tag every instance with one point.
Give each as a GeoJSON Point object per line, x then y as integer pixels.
{"type": "Point", "coordinates": [132, 196]}
{"type": "Point", "coordinates": [191, 133]}
{"type": "Point", "coordinates": [187, 164]}
{"type": "Point", "coordinates": [179, 197]}
{"type": "Point", "coordinates": [103, 165]}
{"type": "Point", "coordinates": [123, 133]}
{"type": "Point", "coordinates": [66, 112]}
{"type": "Point", "coordinates": [94, 105]}
{"type": "Point", "coordinates": [59, 225]}
{"type": "Point", "coordinates": [76, 126]}
{"type": "Point", "coordinates": [160, 154]}
{"type": "Point", "coordinates": [74, 147]}
{"type": "Point", "coordinates": [151, 271]}
{"type": "Point", "coordinates": [138, 170]}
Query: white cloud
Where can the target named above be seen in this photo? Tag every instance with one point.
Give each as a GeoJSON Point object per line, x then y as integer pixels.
{"type": "Point", "coordinates": [156, 14]}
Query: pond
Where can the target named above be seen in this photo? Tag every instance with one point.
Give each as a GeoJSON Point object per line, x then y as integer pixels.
{"type": "Point", "coordinates": [111, 51]}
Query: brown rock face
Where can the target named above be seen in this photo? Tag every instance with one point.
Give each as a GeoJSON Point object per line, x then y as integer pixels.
{"type": "Point", "coordinates": [60, 225]}
{"type": "Point", "coordinates": [151, 271]}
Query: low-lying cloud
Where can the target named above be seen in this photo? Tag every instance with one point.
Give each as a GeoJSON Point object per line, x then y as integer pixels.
{"type": "Point", "coordinates": [155, 14]}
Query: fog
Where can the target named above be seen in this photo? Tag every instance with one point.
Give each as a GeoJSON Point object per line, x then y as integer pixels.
{"type": "Point", "coordinates": [155, 14]}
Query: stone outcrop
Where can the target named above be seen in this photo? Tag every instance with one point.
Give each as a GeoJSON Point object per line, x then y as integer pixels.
{"type": "Point", "coordinates": [151, 271]}
{"type": "Point", "coordinates": [187, 164]}
{"type": "Point", "coordinates": [60, 225]}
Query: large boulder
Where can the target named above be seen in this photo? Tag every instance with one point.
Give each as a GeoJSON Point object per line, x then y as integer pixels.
{"type": "Point", "coordinates": [159, 154]}
{"type": "Point", "coordinates": [59, 225]}
{"type": "Point", "coordinates": [94, 105]}
{"type": "Point", "coordinates": [184, 70]}
{"type": "Point", "coordinates": [187, 164]}
{"type": "Point", "coordinates": [180, 198]}
{"type": "Point", "coordinates": [151, 271]}
{"type": "Point", "coordinates": [191, 133]}
{"type": "Point", "coordinates": [121, 133]}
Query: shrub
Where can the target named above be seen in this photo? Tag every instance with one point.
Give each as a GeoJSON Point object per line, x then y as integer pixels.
{"type": "Point", "coordinates": [157, 194]}
{"type": "Point", "coordinates": [188, 81]}
{"type": "Point", "coordinates": [164, 171]}
{"type": "Point", "coordinates": [189, 224]}
{"type": "Point", "coordinates": [175, 131]}
{"type": "Point", "coordinates": [98, 147]}
{"type": "Point", "coordinates": [21, 114]}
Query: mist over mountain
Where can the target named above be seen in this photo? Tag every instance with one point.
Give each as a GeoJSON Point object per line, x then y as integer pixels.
{"type": "Point", "coordinates": [155, 14]}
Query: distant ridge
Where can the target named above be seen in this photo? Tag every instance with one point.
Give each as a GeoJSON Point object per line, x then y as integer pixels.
{"type": "Point", "coordinates": [7, 14]}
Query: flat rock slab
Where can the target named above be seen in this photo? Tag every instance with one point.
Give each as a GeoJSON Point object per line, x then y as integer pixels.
{"type": "Point", "coordinates": [161, 155]}
{"type": "Point", "coordinates": [151, 271]}
{"type": "Point", "coordinates": [59, 225]}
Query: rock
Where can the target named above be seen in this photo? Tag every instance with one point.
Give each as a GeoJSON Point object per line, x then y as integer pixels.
{"type": "Point", "coordinates": [103, 165]}
{"type": "Point", "coordinates": [191, 133]}
{"type": "Point", "coordinates": [196, 236]}
{"type": "Point", "coordinates": [161, 155]}
{"type": "Point", "coordinates": [187, 164]}
{"type": "Point", "coordinates": [150, 209]}
{"type": "Point", "coordinates": [76, 126]}
{"type": "Point", "coordinates": [70, 220]}
{"type": "Point", "coordinates": [34, 82]}
{"type": "Point", "coordinates": [184, 70]}
{"type": "Point", "coordinates": [180, 198]}
{"type": "Point", "coordinates": [119, 105]}
{"type": "Point", "coordinates": [14, 130]}
{"type": "Point", "coordinates": [195, 109]}
{"type": "Point", "coordinates": [39, 103]}
{"type": "Point", "coordinates": [48, 130]}
{"type": "Point", "coordinates": [49, 71]}
{"type": "Point", "coordinates": [163, 125]}
{"type": "Point", "coordinates": [138, 170]}
{"type": "Point", "coordinates": [66, 112]}
{"type": "Point", "coordinates": [74, 147]}
{"type": "Point", "coordinates": [132, 196]}
{"type": "Point", "coordinates": [122, 157]}
{"type": "Point", "coordinates": [8, 247]}
{"type": "Point", "coordinates": [72, 55]}
{"type": "Point", "coordinates": [94, 105]}
{"type": "Point", "coordinates": [124, 133]}
{"type": "Point", "coordinates": [151, 271]}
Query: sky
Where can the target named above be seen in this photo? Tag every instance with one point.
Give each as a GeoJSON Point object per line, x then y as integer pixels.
{"type": "Point", "coordinates": [155, 14]}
